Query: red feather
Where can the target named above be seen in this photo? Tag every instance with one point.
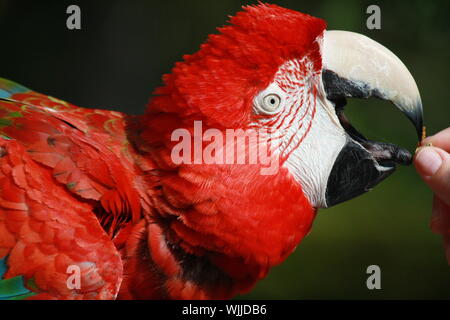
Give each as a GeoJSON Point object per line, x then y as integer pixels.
{"type": "Point", "coordinates": [78, 186]}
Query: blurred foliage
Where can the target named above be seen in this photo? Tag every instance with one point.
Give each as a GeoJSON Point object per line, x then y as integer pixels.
{"type": "Point", "coordinates": [124, 47]}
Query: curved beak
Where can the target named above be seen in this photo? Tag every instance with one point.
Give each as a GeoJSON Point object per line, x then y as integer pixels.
{"type": "Point", "coordinates": [355, 66]}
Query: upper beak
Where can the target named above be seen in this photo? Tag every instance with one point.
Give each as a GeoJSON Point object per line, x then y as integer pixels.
{"type": "Point", "coordinates": [357, 66]}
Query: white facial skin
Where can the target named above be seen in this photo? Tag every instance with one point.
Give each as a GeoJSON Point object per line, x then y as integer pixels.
{"type": "Point", "coordinates": [307, 132]}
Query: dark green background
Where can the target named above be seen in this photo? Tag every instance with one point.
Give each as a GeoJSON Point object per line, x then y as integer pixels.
{"type": "Point", "coordinates": [124, 47]}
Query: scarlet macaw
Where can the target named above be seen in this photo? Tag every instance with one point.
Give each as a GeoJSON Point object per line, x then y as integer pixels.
{"type": "Point", "coordinates": [99, 190]}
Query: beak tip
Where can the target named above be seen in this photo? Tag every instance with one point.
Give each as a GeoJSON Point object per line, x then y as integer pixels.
{"type": "Point", "coordinates": [416, 117]}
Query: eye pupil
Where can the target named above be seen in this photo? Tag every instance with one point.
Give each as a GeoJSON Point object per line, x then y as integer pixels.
{"type": "Point", "coordinates": [270, 103]}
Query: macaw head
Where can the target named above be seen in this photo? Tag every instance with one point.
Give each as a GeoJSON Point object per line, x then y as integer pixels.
{"type": "Point", "coordinates": [279, 72]}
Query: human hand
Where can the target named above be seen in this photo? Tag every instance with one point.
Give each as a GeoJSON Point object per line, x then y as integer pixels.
{"type": "Point", "coordinates": [432, 162]}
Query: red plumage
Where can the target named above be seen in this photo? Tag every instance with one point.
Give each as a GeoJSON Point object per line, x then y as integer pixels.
{"type": "Point", "coordinates": [98, 188]}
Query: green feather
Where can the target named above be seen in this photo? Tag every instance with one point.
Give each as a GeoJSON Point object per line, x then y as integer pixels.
{"type": "Point", "coordinates": [21, 297]}
{"type": "Point", "coordinates": [15, 114]}
{"type": "Point", "coordinates": [14, 288]}
{"type": "Point", "coordinates": [5, 122]}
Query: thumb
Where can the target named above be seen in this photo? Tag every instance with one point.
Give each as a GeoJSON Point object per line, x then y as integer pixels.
{"type": "Point", "coordinates": [433, 165]}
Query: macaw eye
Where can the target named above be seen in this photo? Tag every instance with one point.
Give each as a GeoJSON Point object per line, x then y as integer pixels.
{"type": "Point", "coordinates": [271, 103]}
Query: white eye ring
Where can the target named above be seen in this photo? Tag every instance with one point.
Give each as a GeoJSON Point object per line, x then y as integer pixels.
{"type": "Point", "coordinates": [271, 103]}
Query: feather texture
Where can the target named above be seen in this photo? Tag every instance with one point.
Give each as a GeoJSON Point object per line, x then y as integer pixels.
{"type": "Point", "coordinates": [98, 190]}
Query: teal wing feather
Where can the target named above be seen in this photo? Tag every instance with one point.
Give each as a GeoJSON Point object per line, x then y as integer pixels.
{"type": "Point", "coordinates": [8, 88]}
{"type": "Point", "coordinates": [12, 288]}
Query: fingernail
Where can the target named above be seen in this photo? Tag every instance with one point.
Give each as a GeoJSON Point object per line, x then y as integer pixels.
{"type": "Point", "coordinates": [428, 161]}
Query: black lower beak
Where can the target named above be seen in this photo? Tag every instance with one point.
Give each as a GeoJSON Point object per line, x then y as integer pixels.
{"type": "Point", "coordinates": [362, 163]}
{"type": "Point", "coordinates": [354, 172]}
{"type": "Point", "coordinates": [359, 168]}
